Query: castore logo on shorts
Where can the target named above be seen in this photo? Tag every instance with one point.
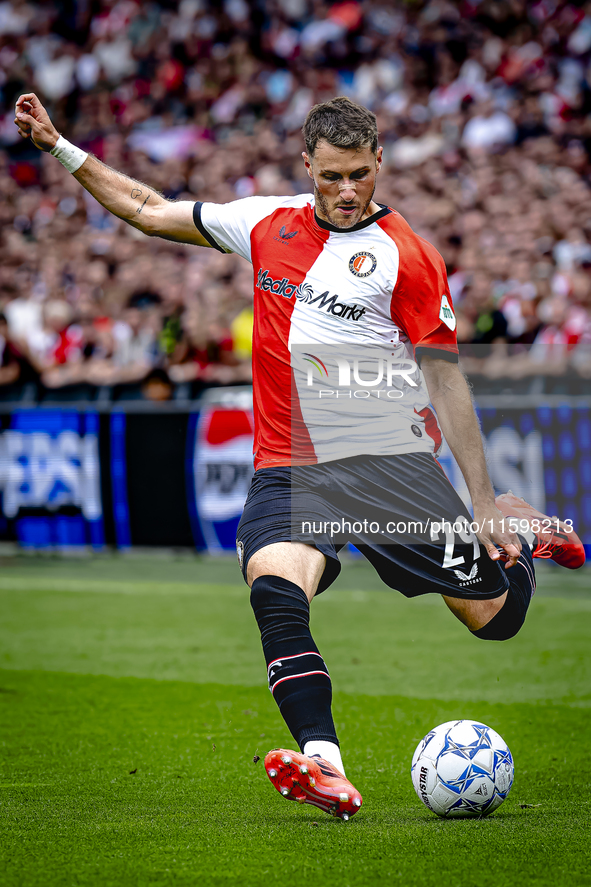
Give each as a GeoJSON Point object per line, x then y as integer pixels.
{"type": "Point", "coordinates": [305, 293]}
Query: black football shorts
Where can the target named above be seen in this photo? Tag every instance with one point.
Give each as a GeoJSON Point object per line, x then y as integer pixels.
{"type": "Point", "coordinates": [401, 512]}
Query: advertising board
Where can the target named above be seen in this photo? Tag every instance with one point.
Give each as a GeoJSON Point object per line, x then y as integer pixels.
{"type": "Point", "coordinates": [75, 478]}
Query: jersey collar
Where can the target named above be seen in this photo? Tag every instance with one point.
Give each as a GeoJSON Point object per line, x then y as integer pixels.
{"type": "Point", "coordinates": [328, 226]}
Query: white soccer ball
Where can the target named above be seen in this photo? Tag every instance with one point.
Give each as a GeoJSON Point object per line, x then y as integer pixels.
{"type": "Point", "coordinates": [462, 768]}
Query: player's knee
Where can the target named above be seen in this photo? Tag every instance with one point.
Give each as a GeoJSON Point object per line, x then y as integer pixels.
{"type": "Point", "coordinates": [261, 594]}
{"type": "Point", "coordinates": [258, 593]}
{"type": "Point", "coordinates": [271, 591]}
{"type": "Point", "coordinates": [501, 627]}
{"type": "Point", "coordinates": [474, 613]}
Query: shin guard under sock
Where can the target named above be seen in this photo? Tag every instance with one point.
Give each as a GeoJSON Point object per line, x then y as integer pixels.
{"type": "Point", "coordinates": [522, 584]}
{"type": "Point", "coordinates": [298, 676]}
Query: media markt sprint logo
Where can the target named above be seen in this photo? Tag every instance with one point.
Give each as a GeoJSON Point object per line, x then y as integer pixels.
{"type": "Point", "coordinates": [329, 304]}
{"type": "Point", "coordinates": [305, 293]}
{"type": "Point", "coordinates": [283, 287]}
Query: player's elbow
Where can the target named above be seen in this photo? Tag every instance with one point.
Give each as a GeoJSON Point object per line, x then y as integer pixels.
{"type": "Point", "coordinates": [146, 213]}
{"type": "Point", "coordinates": [146, 224]}
{"type": "Point", "coordinates": [444, 380]}
{"type": "Point", "coordinates": [154, 221]}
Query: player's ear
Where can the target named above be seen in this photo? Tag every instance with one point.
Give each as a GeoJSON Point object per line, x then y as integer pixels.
{"type": "Point", "coordinates": [379, 158]}
{"type": "Point", "coordinates": [307, 164]}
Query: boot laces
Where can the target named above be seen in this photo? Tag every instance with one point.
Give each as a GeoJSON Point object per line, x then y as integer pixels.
{"type": "Point", "coordinates": [543, 550]}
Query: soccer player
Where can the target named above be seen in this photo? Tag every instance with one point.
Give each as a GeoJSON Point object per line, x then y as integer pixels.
{"type": "Point", "coordinates": [354, 338]}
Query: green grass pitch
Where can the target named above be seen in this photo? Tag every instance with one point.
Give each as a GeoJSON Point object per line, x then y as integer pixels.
{"type": "Point", "coordinates": [132, 703]}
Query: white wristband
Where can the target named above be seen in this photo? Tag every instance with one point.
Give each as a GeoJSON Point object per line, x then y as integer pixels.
{"type": "Point", "coordinates": [68, 154]}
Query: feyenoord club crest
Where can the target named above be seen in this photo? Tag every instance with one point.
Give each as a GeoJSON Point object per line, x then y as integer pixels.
{"type": "Point", "coordinates": [362, 264]}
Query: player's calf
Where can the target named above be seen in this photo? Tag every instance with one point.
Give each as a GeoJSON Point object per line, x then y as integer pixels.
{"type": "Point", "coordinates": [298, 677]}
{"type": "Point", "coordinates": [500, 618]}
{"type": "Point", "coordinates": [541, 537]}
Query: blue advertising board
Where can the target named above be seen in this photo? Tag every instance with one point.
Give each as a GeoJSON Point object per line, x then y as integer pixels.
{"type": "Point", "coordinates": [542, 453]}
{"type": "Point", "coordinates": [72, 478]}
{"type": "Point", "coordinates": [50, 483]}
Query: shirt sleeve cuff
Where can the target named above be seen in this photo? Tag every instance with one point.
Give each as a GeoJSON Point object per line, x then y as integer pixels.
{"type": "Point", "coordinates": [437, 353]}
{"type": "Point", "coordinates": [201, 228]}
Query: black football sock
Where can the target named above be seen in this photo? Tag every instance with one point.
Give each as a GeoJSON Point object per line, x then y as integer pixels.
{"type": "Point", "coordinates": [298, 676]}
{"type": "Point", "coordinates": [522, 583]}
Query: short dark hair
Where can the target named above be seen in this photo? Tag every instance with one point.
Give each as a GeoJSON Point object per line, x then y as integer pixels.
{"type": "Point", "coordinates": [342, 123]}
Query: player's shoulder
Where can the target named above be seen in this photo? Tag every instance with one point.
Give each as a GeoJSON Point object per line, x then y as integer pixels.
{"type": "Point", "coordinates": [289, 208]}
{"type": "Point", "coordinates": [411, 246]}
{"type": "Point", "coordinates": [237, 220]}
{"type": "Point", "coordinates": [266, 205]}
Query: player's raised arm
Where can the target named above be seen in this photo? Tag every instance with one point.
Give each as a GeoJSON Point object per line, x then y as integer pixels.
{"type": "Point", "coordinates": [135, 203]}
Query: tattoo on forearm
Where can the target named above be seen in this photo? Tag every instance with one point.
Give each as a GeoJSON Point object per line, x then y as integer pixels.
{"type": "Point", "coordinates": [135, 193]}
{"type": "Point", "coordinates": [140, 208]}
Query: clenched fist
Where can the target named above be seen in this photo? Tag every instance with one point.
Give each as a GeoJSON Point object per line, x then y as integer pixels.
{"type": "Point", "coordinates": [33, 122]}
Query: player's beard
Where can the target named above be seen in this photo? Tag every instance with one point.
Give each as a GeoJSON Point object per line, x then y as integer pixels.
{"type": "Point", "coordinates": [324, 206]}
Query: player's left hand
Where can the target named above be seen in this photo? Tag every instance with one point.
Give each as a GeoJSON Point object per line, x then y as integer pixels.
{"type": "Point", "coordinates": [33, 122]}
{"type": "Point", "coordinates": [494, 531]}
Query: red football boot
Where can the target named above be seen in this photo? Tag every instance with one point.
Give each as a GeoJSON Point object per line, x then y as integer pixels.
{"type": "Point", "coordinates": [312, 781]}
{"type": "Point", "coordinates": [552, 537]}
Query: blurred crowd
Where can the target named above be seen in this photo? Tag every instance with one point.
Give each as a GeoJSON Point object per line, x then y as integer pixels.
{"type": "Point", "coordinates": [484, 111]}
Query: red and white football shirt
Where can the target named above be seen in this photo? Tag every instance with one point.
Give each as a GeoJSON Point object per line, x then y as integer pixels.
{"type": "Point", "coordinates": [321, 296]}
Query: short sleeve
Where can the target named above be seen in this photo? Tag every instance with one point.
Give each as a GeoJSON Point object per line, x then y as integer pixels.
{"type": "Point", "coordinates": [422, 304]}
{"type": "Point", "coordinates": [228, 226]}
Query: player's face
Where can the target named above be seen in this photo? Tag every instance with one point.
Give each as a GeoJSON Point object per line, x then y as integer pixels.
{"type": "Point", "coordinates": [344, 182]}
